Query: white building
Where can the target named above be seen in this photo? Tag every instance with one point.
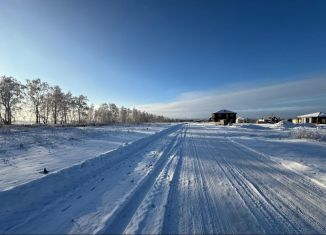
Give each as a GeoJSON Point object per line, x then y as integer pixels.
{"type": "Point", "coordinates": [316, 118]}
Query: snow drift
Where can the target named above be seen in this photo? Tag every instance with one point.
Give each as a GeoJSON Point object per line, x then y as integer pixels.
{"type": "Point", "coordinates": [309, 133]}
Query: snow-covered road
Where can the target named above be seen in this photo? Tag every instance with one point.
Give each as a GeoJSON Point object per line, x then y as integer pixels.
{"type": "Point", "coordinates": [185, 179]}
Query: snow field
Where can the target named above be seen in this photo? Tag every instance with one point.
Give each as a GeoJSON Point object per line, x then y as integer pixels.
{"type": "Point", "coordinates": [24, 152]}
{"type": "Point", "coordinates": [188, 178]}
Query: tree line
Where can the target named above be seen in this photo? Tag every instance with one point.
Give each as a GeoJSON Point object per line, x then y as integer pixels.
{"type": "Point", "coordinates": [51, 105]}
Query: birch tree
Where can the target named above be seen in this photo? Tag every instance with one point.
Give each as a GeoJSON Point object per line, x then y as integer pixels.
{"type": "Point", "coordinates": [123, 114]}
{"type": "Point", "coordinates": [11, 94]}
{"type": "Point", "coordinates": [45, 107]}
{"type": "Point", "coordinates": [81, 106]}
{"type": "Point", "coordinates": [114, 112]}
{"type": "Point", "coordinates": [36, 91]}
{"type": "Point", "coordinates": [56, 102]}
{"type": "Point", "coordinates": [65, 105]}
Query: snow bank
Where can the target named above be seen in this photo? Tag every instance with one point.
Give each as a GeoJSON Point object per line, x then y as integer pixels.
{"type": "Point", "coordinates": [309, 133]}
{"type": "Point", "coordinates": [253, 126]}
{"type": "Point", "coordinates": [284, 125]}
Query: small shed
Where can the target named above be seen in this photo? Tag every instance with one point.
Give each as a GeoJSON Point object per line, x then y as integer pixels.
{"type": "Point", "coordinates": [224, 117]}
{"type": "Point", "coordinates": [316, 118]}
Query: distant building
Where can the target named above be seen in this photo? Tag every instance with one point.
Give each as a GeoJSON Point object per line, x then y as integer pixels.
{"type": "Point", "coordinates": [240, 120]}
{"type": "Point", "coordinates": [271, 119]}
{"type": "Point", "coordinates": [224, 117]}
{"type": "Point", "coordinates": [316, 118]}
{"type": "Point", "coordinates": [261, 121]}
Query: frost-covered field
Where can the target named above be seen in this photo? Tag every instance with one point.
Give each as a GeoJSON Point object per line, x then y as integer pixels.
{"type": "Point", "coordinates": [26, 151]}
{"type": "Point", "coordinates": [186, 178]}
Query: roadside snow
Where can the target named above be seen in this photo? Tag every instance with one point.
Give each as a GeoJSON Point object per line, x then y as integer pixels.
{"type": "Point", "coordinates": [317, 133]}
{"type": "Point", "coordinates": [284, 124]}
{"type": "Point", "coordinates": [254, 126]}
{"type": "Point", "coordinates": [298, 148]}
{"type": "Point", "coordinates": [25, 151]}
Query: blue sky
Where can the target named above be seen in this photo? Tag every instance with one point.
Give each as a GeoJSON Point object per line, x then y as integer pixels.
{"type": "Point", "coordinates": [156, 54]}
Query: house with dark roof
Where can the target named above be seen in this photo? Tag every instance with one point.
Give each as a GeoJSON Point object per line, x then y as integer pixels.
{"type": "Point", "coordinates": [316, 118]}
{"type": "Point", "coordinates": [224, 117]}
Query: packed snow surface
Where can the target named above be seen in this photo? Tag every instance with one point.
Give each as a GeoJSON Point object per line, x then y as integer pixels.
{"type": "Point", "coordinates": [186, 178]}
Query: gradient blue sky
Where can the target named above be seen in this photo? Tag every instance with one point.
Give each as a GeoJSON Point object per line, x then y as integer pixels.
{"type": "Point", "coordinates": [156, 54]}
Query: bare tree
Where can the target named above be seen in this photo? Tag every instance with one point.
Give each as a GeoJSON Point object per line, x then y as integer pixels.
{"type": "Point", "coordinates": [36, 91]}
{"type": "Point", "coordinates": [66, 104]}
{"type": "Point", "coordinates": [123, 114]}
{"type": "Point", "coordinates": [45, 107]}
{"type": "Point", "coordinates": [1, 120]}
{"type": "Point", "coordinates": [135, 115]}
{"type": "Point", "coordinates": [81, 105]}
{"type": "Point", "coordinates": [103, 114]}
{"type": "Point", "coordinates": [114, 112]}
{"type": "Point", "coordinates": [11, 94]}
{"type": "Point", "coordinates": [56, 102]}
{"type": "Point", "coordinates": [91, 114]}
{"type": "Point", "coordinates": [52, 102]}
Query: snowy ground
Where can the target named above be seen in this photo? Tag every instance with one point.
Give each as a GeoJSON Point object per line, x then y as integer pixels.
{"type": "Point", "coordinates": [188, 178]}
{"type": "Point", "coordinates": [26, 151]}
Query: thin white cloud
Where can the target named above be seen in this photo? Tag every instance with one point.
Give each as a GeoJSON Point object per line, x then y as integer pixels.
{"type": "Point", "coordinates": [285, 99]}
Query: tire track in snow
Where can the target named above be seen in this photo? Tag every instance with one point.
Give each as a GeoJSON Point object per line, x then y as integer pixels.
{"type": "Point", "coordinates": [149, 217]}
{"type": "Point", "coordinates": [296, 201]}
{"type": "Point", "coordinates": [226, 220]}
{"type": "Point", "coordinates": [270, 196]}
{"type": "Point", "coordinates": [217, 224]}
{"type": "Point", "coordinates": [197, 205]}
{"type": "Point", "coordinates": [210, 209]}
{"type": "Point", "coordinates": [265, 212]}
{"type": "Point", "coordinates": [173, 191]}
{"type": "Point", "coordinates": [302, 181]}
{"type": "Point", "coordinates": [182, 197]}
{"type": "Point", "coordinates": [248, 200]}
{"type": "Point", "coordinates": [123, 214]}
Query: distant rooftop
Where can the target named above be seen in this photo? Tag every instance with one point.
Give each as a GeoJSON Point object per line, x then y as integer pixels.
{"type": "Point", "coordinates": [317, 114]}
{"type": "Point", "coordinates": [224, 111]}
